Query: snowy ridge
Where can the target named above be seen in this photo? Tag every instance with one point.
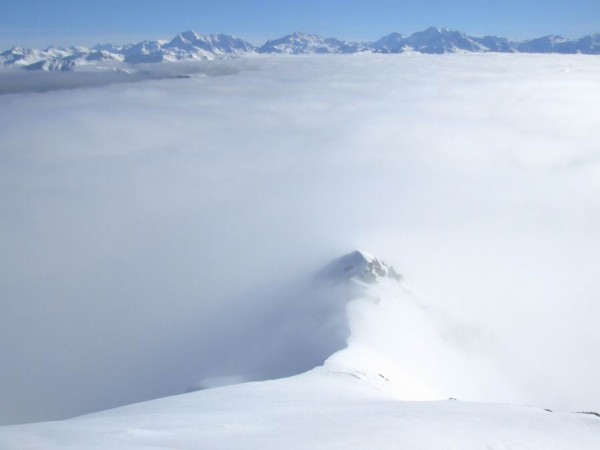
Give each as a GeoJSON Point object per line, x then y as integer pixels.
{"type": "Point", "coordinates": [193, 46]}
{"type": "Point", "coordinates": [361, 265]}
{"type": "Point", "coordinates": [433, 40]}
{"type": "Point", "coordinates": [306, 324]}
{"type": "Point", "coordinates": [302, 43]}
{"type": "Point", "coordinates": [356, 400]}
{"type": "Point", "coordinates": [186, 46]}
{"type": "Point", "coordinates": [389, 331]}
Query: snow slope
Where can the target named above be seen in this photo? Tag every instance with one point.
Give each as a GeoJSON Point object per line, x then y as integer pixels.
{"type": "Point", "coordinates": [355, 400]}
{"type": "Point", "coordinates": [322, 409]}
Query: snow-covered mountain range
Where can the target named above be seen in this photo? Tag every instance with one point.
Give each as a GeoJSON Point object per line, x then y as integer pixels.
{"type": "Point", "coordinates": [192, 46]}
{"type": "Point", "coordinates": [302, 43]}
{"type": "Point", "coordinates": [186, 46]}
{"type": "Point", "coordinates": [362, 396]}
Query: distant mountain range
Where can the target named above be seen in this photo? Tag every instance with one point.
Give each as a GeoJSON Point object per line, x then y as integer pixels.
{"type": "Point", "coordinates": [192, 46]}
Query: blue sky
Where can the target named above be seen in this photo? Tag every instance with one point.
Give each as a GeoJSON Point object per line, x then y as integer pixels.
{"type": "Point", "coordinates": [85, 22]}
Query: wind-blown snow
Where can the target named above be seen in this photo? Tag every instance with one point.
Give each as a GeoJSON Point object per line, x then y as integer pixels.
{"type": "Point", "coordinates": [321, 409]}
{"type": "Point", "coordinates": [144, 224]}
{"type": "Point", "coordinates": [352, 402]}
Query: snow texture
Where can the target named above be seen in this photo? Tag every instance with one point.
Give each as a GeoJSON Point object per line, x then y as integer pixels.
{"type": "Point", "coordinates": [353, 401]}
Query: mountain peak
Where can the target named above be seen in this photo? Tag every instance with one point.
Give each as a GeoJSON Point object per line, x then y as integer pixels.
{"type": "Point", "coordinates": [13, 51]}
{"type": "Point", "coordinates": [301, 34]}
{"type": "Point", "coordinates": [185, 39]}
{"type": "Point", "coordinates": [193, 46]}
{"type": "Point", "coordinates": [300, 43]}
{"type": "Point", "coordinates": [362, 266]}
{"type": "Point", "coordinates": [190, 35]}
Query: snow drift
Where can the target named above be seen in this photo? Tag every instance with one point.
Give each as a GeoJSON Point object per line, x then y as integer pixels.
{"type": "Point", "coordinates": [353, 401]}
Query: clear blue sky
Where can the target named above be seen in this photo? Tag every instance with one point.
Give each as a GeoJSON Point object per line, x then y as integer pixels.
{"type": "Point", "coordinates": [85, 22]}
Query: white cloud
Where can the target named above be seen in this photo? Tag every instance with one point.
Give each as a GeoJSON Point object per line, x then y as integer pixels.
{"type": "Point", "coordinates": [132, 212]}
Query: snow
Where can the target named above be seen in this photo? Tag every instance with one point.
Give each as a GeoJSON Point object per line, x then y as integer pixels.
{"type": "Point", "coordinates": [322, 409]}
{"type": "Point", "coordinates": [359, 264]}
{"type": "Point", "coordinates": [302, 43]}
{"type": "Point", "coordinates": [527, 84]}
{"type": "Point", "coordinates": [193, 46]}
{"type": "Point", "coordinates": [356, 400]}
{"type": "Point", "coordinates": [189, 46]}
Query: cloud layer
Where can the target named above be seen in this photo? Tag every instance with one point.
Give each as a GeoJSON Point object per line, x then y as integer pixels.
{"type": "Point", "coordinates": [134, 214]}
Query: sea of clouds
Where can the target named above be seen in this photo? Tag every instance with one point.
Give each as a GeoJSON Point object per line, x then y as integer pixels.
{"type": "Point", "coordinates": [140, 222]}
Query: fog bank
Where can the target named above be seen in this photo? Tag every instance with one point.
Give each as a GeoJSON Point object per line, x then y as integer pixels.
{"type": "Point", "coordinates": [137, 217]}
